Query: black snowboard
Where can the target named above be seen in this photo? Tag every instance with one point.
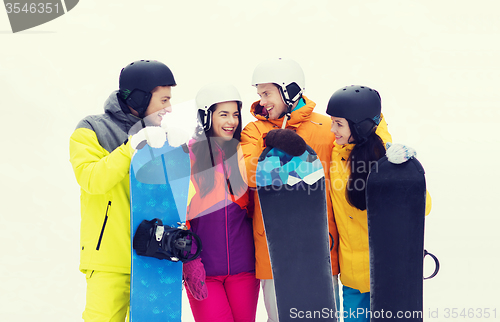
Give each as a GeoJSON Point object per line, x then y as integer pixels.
{"type": "Point", "coordinates": [292, 198]}
{"type": "Point", "coordinates": [396, 196]}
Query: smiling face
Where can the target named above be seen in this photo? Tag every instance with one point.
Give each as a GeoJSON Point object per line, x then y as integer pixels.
{"type": "Point", "coordinates": [340, 127]}
{"type": "Point", "coordinates": [159, 105]}
{"type": "Point", "coordinates": [225, 120]}
{"type": "Point", "coordinates": [270, 99]}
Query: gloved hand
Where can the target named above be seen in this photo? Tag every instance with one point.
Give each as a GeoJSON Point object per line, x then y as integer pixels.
{"type": "Point", "coordinates": [177, 134]}
{"type": "Point", "coordinates": [155, 136]}
{"type": "Point", "coordinates": [194, 276]}
{"type": "Point", "coordinates": [287, 141]}
{"type": "Point", "coordinates": [399, 153]}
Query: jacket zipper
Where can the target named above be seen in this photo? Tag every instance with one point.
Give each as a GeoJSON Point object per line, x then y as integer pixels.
{"type": "Point", "coordinates": [227, 240]}
{"type": "Point", "coordinates": [103, 227]}
{"type": "Point", "coordinates": [225, 209]}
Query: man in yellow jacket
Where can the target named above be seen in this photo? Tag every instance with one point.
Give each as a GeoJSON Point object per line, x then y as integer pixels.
{"type": "Point", "coordinates": [280, 84]}
{"type": "Point", "coordinates": [100, 154]}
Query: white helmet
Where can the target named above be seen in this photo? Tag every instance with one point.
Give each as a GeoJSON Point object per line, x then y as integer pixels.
{"type": "Point", "coordinates": [211, 94]}
{"type": "Point", "coordinates": [285, 73]}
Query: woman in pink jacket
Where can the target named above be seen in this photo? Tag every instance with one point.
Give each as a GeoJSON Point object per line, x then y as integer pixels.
{"type": "Point", "coordinates": [217, 213]}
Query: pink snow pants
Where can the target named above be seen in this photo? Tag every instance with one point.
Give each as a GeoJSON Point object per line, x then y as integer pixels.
{"type": "Point", "coordinates": [231, 298]}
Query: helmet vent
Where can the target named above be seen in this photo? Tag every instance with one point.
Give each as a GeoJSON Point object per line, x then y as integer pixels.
{"type": "Point", "coordinates": [357, 91]}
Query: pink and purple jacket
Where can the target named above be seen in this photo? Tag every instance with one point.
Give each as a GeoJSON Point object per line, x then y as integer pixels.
{"type": "Point", "coordinates": [222, 222]}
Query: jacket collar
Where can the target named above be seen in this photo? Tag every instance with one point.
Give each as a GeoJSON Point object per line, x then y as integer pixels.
{"type": "Point", "coordinates": [114, 106]}
{"type": "Point", "coordinates": [343, 150]}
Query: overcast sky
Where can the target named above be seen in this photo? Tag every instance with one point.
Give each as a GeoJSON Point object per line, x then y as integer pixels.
{"type": "Point", "coordinates": [435, 64]}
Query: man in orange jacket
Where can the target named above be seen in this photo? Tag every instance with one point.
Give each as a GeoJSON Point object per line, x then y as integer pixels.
{"type": "Point", "coordinates": [280, 84]}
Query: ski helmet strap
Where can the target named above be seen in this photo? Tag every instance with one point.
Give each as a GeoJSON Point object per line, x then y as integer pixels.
{"type": "Point", "coordinates": [207, 120]}
{"type": "Point", "coordinates": [205, 116]}
{"type": "Point", "coordinates": [286, 118]}
{"type": "Point", "coordinates": [286, 99]}
{"type": "Point", "coordinates": [288, 113]}
{"type": "Point", "coordinates": [285, 92]}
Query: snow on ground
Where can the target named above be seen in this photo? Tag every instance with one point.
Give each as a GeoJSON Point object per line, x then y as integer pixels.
{"type": "Point", "coordinates": [435, 64]}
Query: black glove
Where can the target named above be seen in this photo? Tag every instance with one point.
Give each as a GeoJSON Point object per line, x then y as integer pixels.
{"type": "Point", "coordinates": [286, 140]}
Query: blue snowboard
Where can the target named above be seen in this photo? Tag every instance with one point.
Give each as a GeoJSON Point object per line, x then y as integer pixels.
{"type": "Point", "coordinates": [292, 196]}
{"type": "Point", "coordinates": [159, 184]}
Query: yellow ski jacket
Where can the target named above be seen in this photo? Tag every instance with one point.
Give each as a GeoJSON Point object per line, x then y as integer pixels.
{"type": "Point", "coordinates": [101, 162]}
{"type": "Point", "coordinates": [352, 223]}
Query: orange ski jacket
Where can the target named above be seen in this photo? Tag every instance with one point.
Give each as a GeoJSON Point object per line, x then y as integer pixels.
{"type": "Point", "coordinates": [314, 128]}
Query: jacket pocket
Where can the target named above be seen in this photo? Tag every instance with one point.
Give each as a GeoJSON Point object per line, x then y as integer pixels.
{"type": "Point", "coordinates": [103, 227]}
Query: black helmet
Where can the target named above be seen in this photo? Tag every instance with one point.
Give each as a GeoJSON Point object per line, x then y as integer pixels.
{"type": "Point", "coordinates": [139, 78]}
{"type": "Point", "coordinates": [360, 105]}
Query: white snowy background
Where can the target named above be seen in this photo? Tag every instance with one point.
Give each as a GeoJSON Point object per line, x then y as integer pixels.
{"type": "Point", "coordinates": [435, 63]}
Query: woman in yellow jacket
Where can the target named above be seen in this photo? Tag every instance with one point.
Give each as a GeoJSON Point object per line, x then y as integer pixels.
{"type": "Point", "coordinates": [360, 137]}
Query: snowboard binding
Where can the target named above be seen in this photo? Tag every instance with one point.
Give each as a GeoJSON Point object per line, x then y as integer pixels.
{"type": "Point", "coordinates": [153, 239]}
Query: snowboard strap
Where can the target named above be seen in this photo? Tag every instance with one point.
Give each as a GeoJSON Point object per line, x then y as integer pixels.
{"type": "Point", "coordinates": [153, 239]}
{"type": "Point", "coordinates": [436, 261]}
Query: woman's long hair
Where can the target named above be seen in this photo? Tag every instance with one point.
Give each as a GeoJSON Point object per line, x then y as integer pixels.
{"type": "Point", "coordinates": [360, 161]}
{"type": "Point", "coordinates": [207, 156]}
